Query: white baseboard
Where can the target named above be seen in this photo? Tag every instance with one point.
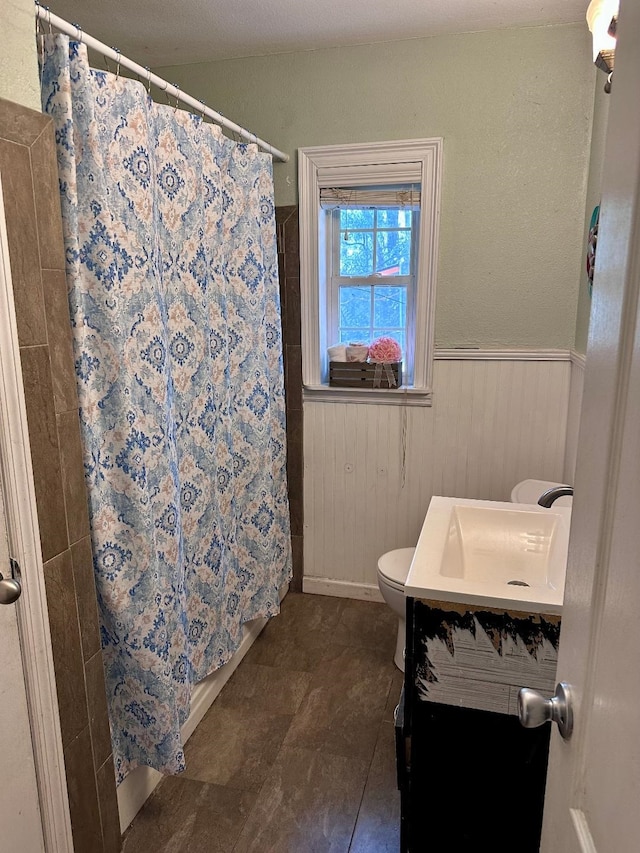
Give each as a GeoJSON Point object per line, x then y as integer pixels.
{"type": "Point", "coordinates": [341, 589]}
{"type": "Point", "coordinates": [138, 786]}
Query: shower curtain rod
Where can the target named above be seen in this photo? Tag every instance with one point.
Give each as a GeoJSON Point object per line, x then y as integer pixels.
{"type": "Point", "coordinates": [73, 30]}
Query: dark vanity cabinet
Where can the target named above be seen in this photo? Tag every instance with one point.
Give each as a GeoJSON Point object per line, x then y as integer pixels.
{"type": "Point", "coordinates": [470, 777]}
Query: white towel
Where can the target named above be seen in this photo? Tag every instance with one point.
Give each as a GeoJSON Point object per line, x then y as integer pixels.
{"type": "Point", "coordinates": [357, 352]}
{"type": "Point", "coordinates": [337, 352]}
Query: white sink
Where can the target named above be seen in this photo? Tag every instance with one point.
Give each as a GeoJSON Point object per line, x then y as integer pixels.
{"type": "Point", "coordinates": [504, 555]}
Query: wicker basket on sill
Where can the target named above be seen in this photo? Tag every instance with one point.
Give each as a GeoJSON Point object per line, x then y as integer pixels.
{"type": "Point", "coordinates": [362, 374]}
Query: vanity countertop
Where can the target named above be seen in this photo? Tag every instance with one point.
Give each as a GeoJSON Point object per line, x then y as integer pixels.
{"type": "Point", "coordinates": [492, 554]}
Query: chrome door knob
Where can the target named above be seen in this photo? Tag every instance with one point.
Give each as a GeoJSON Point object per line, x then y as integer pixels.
{"type": "Point", "coordinates": [534, 709]}
{"type": "Point", "coordinates": [10, 588]}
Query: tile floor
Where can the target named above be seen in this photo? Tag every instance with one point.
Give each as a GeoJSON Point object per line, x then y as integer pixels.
{"type": "Point", "coordinates": [297, 753]}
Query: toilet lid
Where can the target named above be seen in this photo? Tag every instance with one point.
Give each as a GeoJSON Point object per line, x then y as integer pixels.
{"type": "Point", "coordinates": [394, 565]}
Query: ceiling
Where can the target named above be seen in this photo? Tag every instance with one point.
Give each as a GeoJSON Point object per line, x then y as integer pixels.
{"type": "Point", "coordinates": [163, 32]}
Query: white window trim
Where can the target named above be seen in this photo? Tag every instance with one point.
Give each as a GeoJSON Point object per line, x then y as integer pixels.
{"type": "Point", "coordinates": [349, 165]}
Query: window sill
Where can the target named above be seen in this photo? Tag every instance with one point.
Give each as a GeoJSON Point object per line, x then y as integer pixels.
{"type": "Point", "coordinates": [403, 396]}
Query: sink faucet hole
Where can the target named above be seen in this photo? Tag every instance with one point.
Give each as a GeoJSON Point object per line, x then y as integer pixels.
{"type": "Point", "coordinates": [517, 583]}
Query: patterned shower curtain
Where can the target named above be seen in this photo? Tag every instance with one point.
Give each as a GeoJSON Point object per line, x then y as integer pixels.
{"type": "Point", "coordinates": [173, 289]}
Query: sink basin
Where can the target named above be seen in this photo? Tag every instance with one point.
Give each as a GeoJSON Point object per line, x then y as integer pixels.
{"type": "Point", "coordinates": [504, 555]}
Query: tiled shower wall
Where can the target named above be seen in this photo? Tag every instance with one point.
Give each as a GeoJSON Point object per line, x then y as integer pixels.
{"type": "Point", "coordinates": [29, 178]}
{"type": "Point", "coordinates": [32, 210]}
{"type": "Point", "coordinates": [289, 268]}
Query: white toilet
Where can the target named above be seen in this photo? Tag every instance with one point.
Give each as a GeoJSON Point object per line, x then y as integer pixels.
{"type": "Point", "coordinates": [528, 492]}
{"type": "Point", "coordinates": [393, 567]}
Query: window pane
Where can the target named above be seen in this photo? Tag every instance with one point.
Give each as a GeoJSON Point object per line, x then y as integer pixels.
{"type": "Point", "coordinates": [356, 253]}
{"type": "Point", "coordinates": [398, 335]}
{"type": "Point", "coordinates": [355, 307]}
{"type": "Point", "coordinates": [355, 336]}
{"type": "Point", "coordinates": [390, 307]}
{"type": "Point", "coordinates": [353, 218]}
{"type": "Point", "coordinates": [393, 255]}
{"type": "Point", "coordinates": [394, 218]}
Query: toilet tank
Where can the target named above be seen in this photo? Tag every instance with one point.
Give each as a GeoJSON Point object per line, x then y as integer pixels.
{"type": "Point", "coordinates": [528, 492]}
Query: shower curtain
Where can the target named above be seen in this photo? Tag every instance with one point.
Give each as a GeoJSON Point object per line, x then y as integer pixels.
{"type": "Point", "coordinates": [173, 289]}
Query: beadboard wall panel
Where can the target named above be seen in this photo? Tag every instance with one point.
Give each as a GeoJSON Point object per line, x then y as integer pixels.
{"type": "Point", "coordinates": [493, 422]}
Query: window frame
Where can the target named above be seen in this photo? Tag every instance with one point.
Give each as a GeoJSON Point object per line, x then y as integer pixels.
{"type": "Point", "coordinates": [393, 162]}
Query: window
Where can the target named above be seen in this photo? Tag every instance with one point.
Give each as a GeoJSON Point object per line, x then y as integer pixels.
{"type": "Point", "coordinates": [371, 258]}
{"type": "Point", "coordinates": [368, 252]}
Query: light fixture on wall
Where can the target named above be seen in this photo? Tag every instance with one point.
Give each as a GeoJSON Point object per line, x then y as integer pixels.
{"type": "Point", "coordinates": [602, 18]}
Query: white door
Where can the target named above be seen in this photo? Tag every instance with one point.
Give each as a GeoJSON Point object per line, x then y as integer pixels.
{"type": "Point", "coordinates": [19, 806]}
{"type": "Point", "coordinates": [593, 786]}
{"type": "Point", "coordinates": [34, 809]}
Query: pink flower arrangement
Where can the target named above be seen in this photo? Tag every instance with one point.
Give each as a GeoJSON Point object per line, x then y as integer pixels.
{"type": "Point", "coordinates": [385, 350]}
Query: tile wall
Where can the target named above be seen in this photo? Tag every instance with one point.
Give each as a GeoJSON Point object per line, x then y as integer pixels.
{"type": "Point", "coordinates": [30, 188]}
{"type": "Point", "coordinates": [289, 267]}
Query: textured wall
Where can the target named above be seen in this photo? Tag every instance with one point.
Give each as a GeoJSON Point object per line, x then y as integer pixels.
{"type": "Point", "coordinates": [596, 163]}
{"type": "Point", "coordinates": [514, 108]}
{"type": "Point", "coordinates": [18, 61]}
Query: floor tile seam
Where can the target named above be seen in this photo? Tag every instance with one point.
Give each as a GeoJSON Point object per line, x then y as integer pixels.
{"type": "Point", "coordinates": [313, 673]}
{"type": "Point", "coordinates": [260, 790]}
{"type": "Point", "coordinates": [373, 722]}
{"type": "Point", "coordinates": [236, 789]}
{"type": "Point", "coordinates": [382, 725]}
{"type": "Point", "coordinates": [333, 650]}
{"type": "Point", "coordinates": [285, 668]}
{"type": "Point", "coordinates": [364, 788]}
{"type": "Point", "coordinates": [389, 694]}
{"type": "Point", "coordinates": [239, 704]}
{"type": "Point", "coordinates": [268, 769]}
{"type": "Point", "coordinates": [235, 705]}
{"type": "Point", "coordinates": [249, 814]}
{"type": "Point", "coordinates": [378, 719]}
{"type": "Point", "coordinates": [384, 720]}
{"type": "Point", "coordinates": [268, 666]}
{"type": "Point", "coordinates": [324, 640]}
{"type": "Point", "coordinates": [323, 749]}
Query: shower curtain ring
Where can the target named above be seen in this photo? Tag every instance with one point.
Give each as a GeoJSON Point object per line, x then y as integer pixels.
{"type": "Point", "coordinates": [175, 106]}
{"type": "Point", "coordinates": [203, 107]}
{"type": "Point", "coordinates": [148, 70]}
{"type": "Point", "coordinates": [78, 32]}
{"type": "Point", "coordinates": [117, 63]}
{"type": "Point", "coordinates": [49, 19]}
